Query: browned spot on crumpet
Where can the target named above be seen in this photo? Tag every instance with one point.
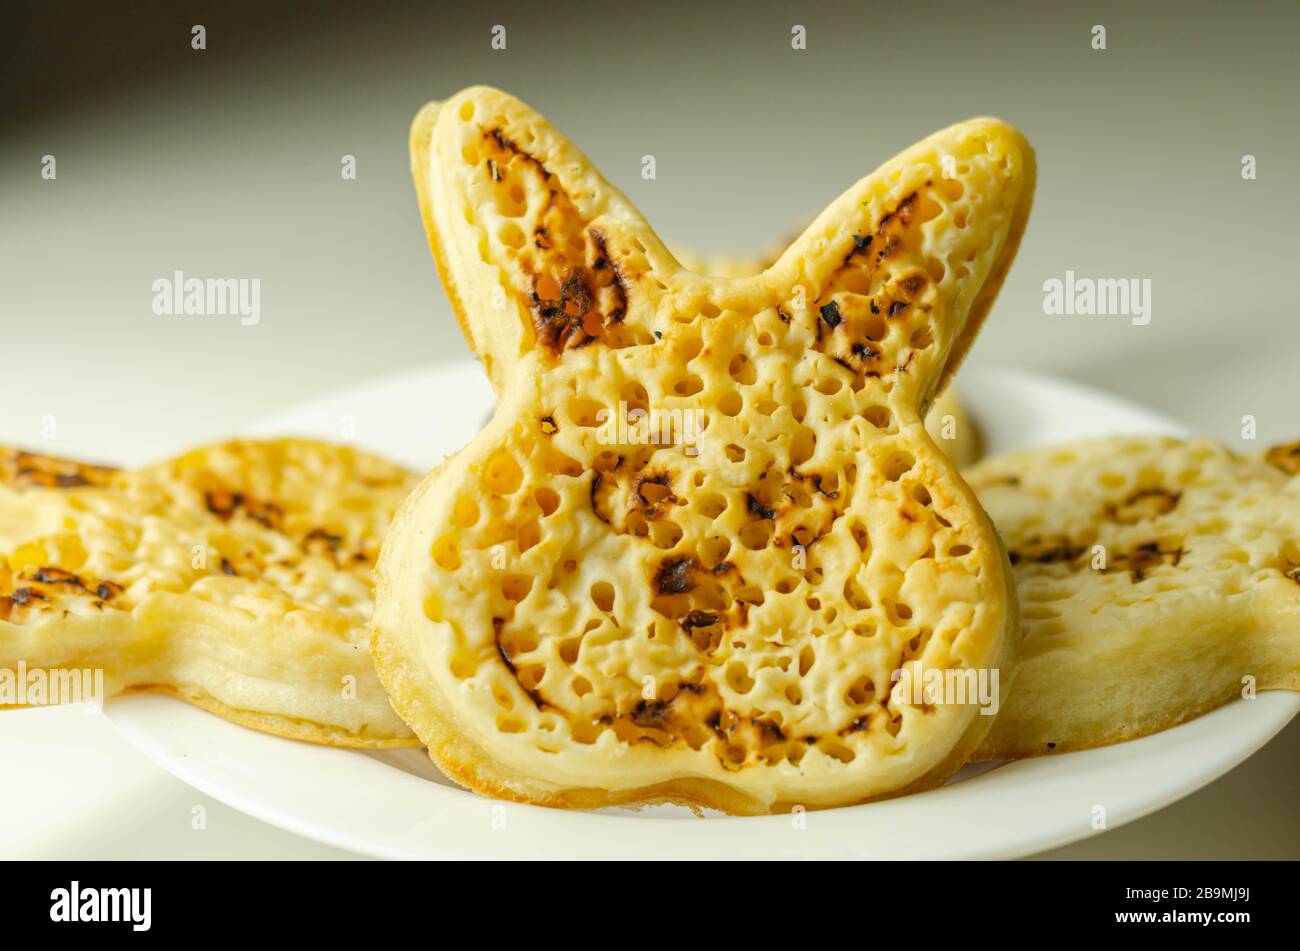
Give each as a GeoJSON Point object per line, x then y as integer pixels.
{"type": "Point", "coordinates": [107, 590]}
{"type": "Point", "coordinates": [46, 588]}
{"type": "Point", "coordinates": [758, 508]}
{"type": "Point", "coordinates": [680, 719]}
{"type": "Point", "coordinates": [598, 498]}
{"type": "Point", "coordinates": [25, 596]}
{"type": "Point", "coordinates": [705, 628]}
{"type": "Point", "coordinates": [1286, 458]}
{"type": "Point", "coordinates": [654, 493]}
{"type": "Point", "coordinates": [650, 713]}
{"type": "Point", "coordinates": [1142, 505]}
{"type": "Point", "coordinates": [498, 624]}
{"type": "Point", "coordinates": [320, 540]}
{"type": "Point", "coordinates": [53, 576]}
{"type": "Point", "coordinates": [1046, 551]}
{"type": "Point", "coordinates": [674, 575]}
{"type": "Point", "coordinates": [698, 618]}
{"type": "Point", "coordinates": [695, 716]}
{"type": "Point", "coordinates": [852, 318]}
{"type": "Point", "coordinates": [225, 504]}
{"type": "Point", "coordinates": [578, 293]}
{"type": "Point", "coordinates": [629, 499]}
{"type": "Point", "coordinates": [29, 469]}
{"type": "Point", "coordinates": [908, 287]}
{"type": "Point", "coordinates": [1144, 559]}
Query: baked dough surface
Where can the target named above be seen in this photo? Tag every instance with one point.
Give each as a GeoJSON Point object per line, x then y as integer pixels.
{"type": "Point", "coordinates": [948, 423]}
{"type": "Point", "coordinates": [1158, 579]}
{"type": "Point", "coordinates": [238, 577]}
{"type": "Point", "coordinates": [579, 612]}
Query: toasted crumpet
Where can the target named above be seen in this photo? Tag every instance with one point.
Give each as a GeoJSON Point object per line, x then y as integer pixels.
{"type": "Point", "coordinates": [237, 577]}
{"type": "Point", "coordinates": [585, 607]}
{"type": "Point", "coordinates": [1158, 579]}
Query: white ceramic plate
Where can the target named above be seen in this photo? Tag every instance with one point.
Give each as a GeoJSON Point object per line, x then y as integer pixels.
{"type": "Point", "coordinates": [396, 804]}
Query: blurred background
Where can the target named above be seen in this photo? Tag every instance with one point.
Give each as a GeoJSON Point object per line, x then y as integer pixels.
{"type": "Point", "coordinates": [227, 161]}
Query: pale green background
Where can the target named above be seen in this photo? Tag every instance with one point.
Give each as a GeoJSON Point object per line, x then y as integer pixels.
{"type": "Point", "coordinates": [226, 163]}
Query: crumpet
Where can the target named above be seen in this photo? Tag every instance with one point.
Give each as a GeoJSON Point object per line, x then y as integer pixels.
{"type": "Point", "coordinates": [1158, 579]}
{"type": "Point", "coordinates": [587, 607]}
{"type": "Point", "coordinates": [237, 577]}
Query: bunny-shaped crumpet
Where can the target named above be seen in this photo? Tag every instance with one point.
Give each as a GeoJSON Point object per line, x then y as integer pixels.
{"type": "Point", "coordinates": [237, 577]}
{"type": "Point", "coordinates": [705, 527]}
{"type": "Point", "coordinates": [1158, 579]}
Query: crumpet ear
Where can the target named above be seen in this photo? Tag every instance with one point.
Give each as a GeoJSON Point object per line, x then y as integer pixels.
{"type": "Point", "coordinates": [899, 272]}
{"type": "Point", "coordinates": [535, 249]}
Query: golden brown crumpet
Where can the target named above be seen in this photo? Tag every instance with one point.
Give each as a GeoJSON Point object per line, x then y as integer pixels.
{"type": "Point", "coordinates": [237, 577]}
{"type": "Point", "coordinates": [1158, 579]}
{"type": "Point", "coordinates": [585, 607]}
